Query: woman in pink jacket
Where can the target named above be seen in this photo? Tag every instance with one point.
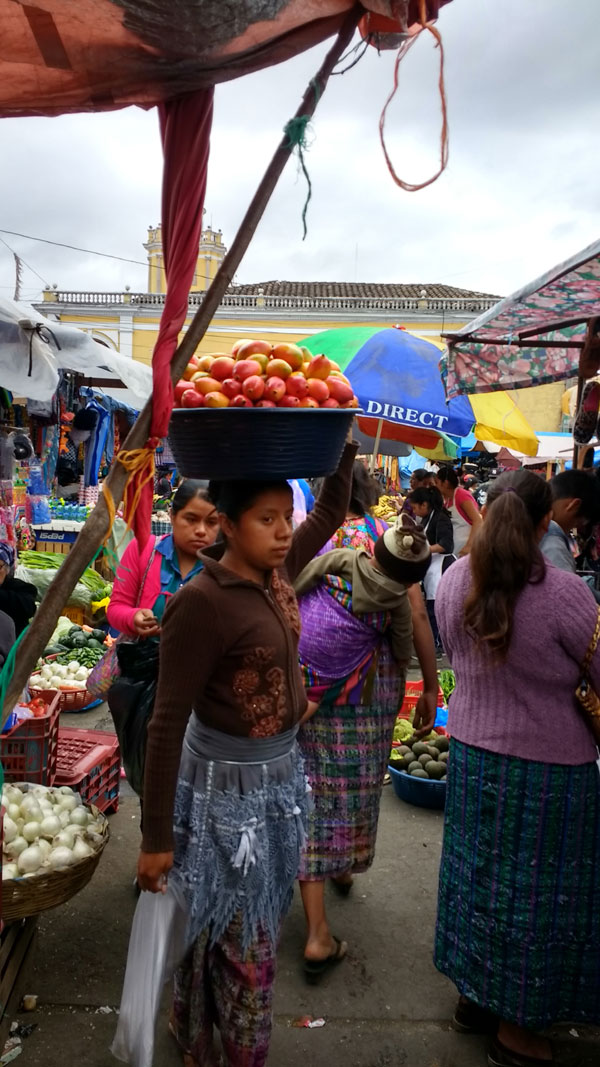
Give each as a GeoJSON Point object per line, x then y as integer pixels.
{"type": "Point", "coordinates": [146, 580]}
{"type": "Point", "coordinates": [148, 577]}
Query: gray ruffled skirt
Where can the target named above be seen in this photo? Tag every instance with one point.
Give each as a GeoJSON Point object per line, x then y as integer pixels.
{"type": "Point", "coordinates": [239, 823]}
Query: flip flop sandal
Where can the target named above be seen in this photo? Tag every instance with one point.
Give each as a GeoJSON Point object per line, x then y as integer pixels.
{"type": "Point", "coordinates": [343, 889]}
{"type": "Point", "coordinates": [315, 969]}
{"type": "Point", "coordinates": [587, 416]}
{"type": "Point", "coordinates": [501, 1056]}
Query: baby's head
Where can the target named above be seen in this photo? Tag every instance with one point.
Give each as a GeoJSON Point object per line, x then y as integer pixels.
{"type": "Point", "coordinates": [402, 552]}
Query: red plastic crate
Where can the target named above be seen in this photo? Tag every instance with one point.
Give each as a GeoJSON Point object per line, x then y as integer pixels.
{"type": "Point", "coordinates": [412, 692]}
{"type": "Point", "coordinates": [28, 751]}
{"type": "Point", "coordinates": [89, 762]}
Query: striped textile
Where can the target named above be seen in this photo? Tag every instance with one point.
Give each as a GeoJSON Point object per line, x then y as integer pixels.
{"type": "Point", "coordinates": [346, 751]}
{"type": "Point", "coordinates": [223, 986]}
{"type": "Point", "coordinates": [518, 927]}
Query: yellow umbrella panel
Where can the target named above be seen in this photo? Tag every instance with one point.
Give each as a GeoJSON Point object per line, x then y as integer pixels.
{"type": "Point", "coordinates": [500, 420]}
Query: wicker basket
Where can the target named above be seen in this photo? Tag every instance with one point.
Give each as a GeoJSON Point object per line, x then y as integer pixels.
{"type": "Point", "coordinates": [258, 443]}
{"type": "Point", "coordinates": [70, 699]}
{"type": "Point", "coordinates": [22, 897]}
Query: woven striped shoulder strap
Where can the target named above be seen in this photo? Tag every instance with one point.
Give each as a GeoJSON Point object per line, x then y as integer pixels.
{"type": "Point", "coordinates": [592, 646]}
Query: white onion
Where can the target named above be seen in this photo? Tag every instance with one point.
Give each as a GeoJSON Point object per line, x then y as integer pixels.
{"type": "Point", "coordinates": [64, 837]}
{"type": "Point", "coordinates": [80, 850]}
{"type": "Point", "coordinates": [64, 818]}
{"type": "Point", "coordinates": [9, 870]}
{"type": "Point", "coordinates": [31, 831]}
{"type": "Point", "coordinates": [66, 791]}
{"type": "Point", "coordinates": [31, 809]}
{"type": "Point", "coordinates": [16, 847]}
{"type": "Point", "coordinates": [14, 794]}
{"type": "Point", "coordinates": [10, 829]}
{"type": "Point", "coordinates": [45, 847]}
{"type": "Point", "coordinates": [30, 860]}
{"type": "Point", "coordinates": [61, 857]}
{"type": "Point", "coordinates": [79, 817]}
{"type": "Point", "coordinates": [14, 811]}
{"type": "Point", "coordinates": [68, 804]}
{"type": "Point", "coordinates": [50, 826]}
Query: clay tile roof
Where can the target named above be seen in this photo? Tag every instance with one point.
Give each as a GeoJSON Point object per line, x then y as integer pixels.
{"type": "Point", "coordinates": [358, 289]}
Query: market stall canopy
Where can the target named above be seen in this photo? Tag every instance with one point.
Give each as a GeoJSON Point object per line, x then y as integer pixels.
{"type": "Point", "coordinates": [98, 55]}
{"type": "Point", "coordinates": [33, 350]}
{"type": "Point", "coordinates": [532, 337]}
{"type": "Point", "coordinates": [550, 448]}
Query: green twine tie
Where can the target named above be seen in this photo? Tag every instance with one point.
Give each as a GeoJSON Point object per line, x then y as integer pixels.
{"type": "Point", "coordinates": [295, 131]}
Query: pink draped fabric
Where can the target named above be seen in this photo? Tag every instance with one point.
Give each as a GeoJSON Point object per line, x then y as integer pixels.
{"type": "Point", "coordinates": [185, 128]}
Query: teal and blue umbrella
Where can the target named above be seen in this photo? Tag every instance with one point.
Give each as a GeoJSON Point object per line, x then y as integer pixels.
{"type": "Point", "coordinates": [396, 377]}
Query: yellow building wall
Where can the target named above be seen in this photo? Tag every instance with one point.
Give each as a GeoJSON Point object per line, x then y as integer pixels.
{"type": "Point", "coordinates": [541, 405]}
{"type": "Point", "coordinates": [228, 332]}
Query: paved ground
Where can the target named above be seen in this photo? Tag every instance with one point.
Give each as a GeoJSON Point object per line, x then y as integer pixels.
{"type": "Point", "coordinates": [385, 1005]}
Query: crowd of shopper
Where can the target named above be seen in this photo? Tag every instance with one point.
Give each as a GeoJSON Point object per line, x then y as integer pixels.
{"type": "Point", "coordinates": [285, 627]}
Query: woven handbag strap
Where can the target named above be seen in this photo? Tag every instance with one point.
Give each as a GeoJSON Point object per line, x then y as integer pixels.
{"type": "Point", "coordinates": [148, 565]}
{"type": "Point", "coordinates": [592, 647]}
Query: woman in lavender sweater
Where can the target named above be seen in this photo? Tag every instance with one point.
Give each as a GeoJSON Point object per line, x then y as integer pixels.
{"type": "Point", "coordinates": [518, 928]}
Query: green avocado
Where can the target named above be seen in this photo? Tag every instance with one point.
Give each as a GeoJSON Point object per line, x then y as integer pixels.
{"type": "Point", "coordinates": [436, 770]}
{"type": "Point", "coordinates": [419, 748]}
{"type": "Point", "coordinates": [425, 759]}
{"type": "Point", "coordinates": [414, 766]}
{"type": "Point", "coordinates": [419, 773]}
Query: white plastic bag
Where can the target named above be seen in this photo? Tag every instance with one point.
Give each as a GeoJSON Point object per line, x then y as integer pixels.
{"type": "Point", "coordinates": [156, 948]}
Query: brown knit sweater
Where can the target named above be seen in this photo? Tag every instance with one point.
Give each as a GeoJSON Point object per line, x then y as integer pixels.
{"type": "Point", "coordinates": [229, 651]}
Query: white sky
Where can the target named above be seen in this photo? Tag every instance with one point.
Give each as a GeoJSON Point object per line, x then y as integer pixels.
{"type": "Point", "coordinates": [521, 192]}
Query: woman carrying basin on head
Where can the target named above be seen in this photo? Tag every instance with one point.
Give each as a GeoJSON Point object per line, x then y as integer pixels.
{"type": "Point", "coordinates": [225, 805]}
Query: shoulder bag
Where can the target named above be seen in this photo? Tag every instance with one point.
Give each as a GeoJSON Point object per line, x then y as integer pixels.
{"type": "Point", "coordinates": [107, 670]}
{"type": "Point", "coordinates": [586, 695]}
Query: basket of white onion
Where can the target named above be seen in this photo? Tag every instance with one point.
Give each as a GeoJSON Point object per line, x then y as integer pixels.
{"type": "Point", "coordinates": [51, 847]}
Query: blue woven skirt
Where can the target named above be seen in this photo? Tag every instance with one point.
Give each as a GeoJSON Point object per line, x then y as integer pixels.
{"type": "Point", "coordinates": [518, 926]}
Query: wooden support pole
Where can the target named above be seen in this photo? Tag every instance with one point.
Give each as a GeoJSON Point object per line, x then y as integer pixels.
{"type": "Point", "coordinates": [96, 528]}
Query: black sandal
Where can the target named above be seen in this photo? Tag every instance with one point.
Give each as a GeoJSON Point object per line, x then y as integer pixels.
{"type": "Point", "coordinates": [471, 1018]}
{"type": "Point", "coordinates": [342, 888]}
{"type": "Point", "coordinates": [315, 969]}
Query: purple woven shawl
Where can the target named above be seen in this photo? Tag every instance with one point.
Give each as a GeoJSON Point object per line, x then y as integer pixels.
{"type": "Point", "coordinates": [333, 641]}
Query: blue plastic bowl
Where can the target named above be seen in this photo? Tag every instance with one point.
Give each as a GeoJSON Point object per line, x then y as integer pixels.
{"type": "Point", "coordinates": [424, 792]}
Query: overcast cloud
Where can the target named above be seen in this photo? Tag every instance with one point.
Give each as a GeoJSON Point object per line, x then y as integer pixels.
{"type": "Point", "coordinates": [521, 192]}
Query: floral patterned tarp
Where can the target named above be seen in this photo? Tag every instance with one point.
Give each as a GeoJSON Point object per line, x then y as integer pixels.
{"type": "Point", "coordinates": [571, 291]}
